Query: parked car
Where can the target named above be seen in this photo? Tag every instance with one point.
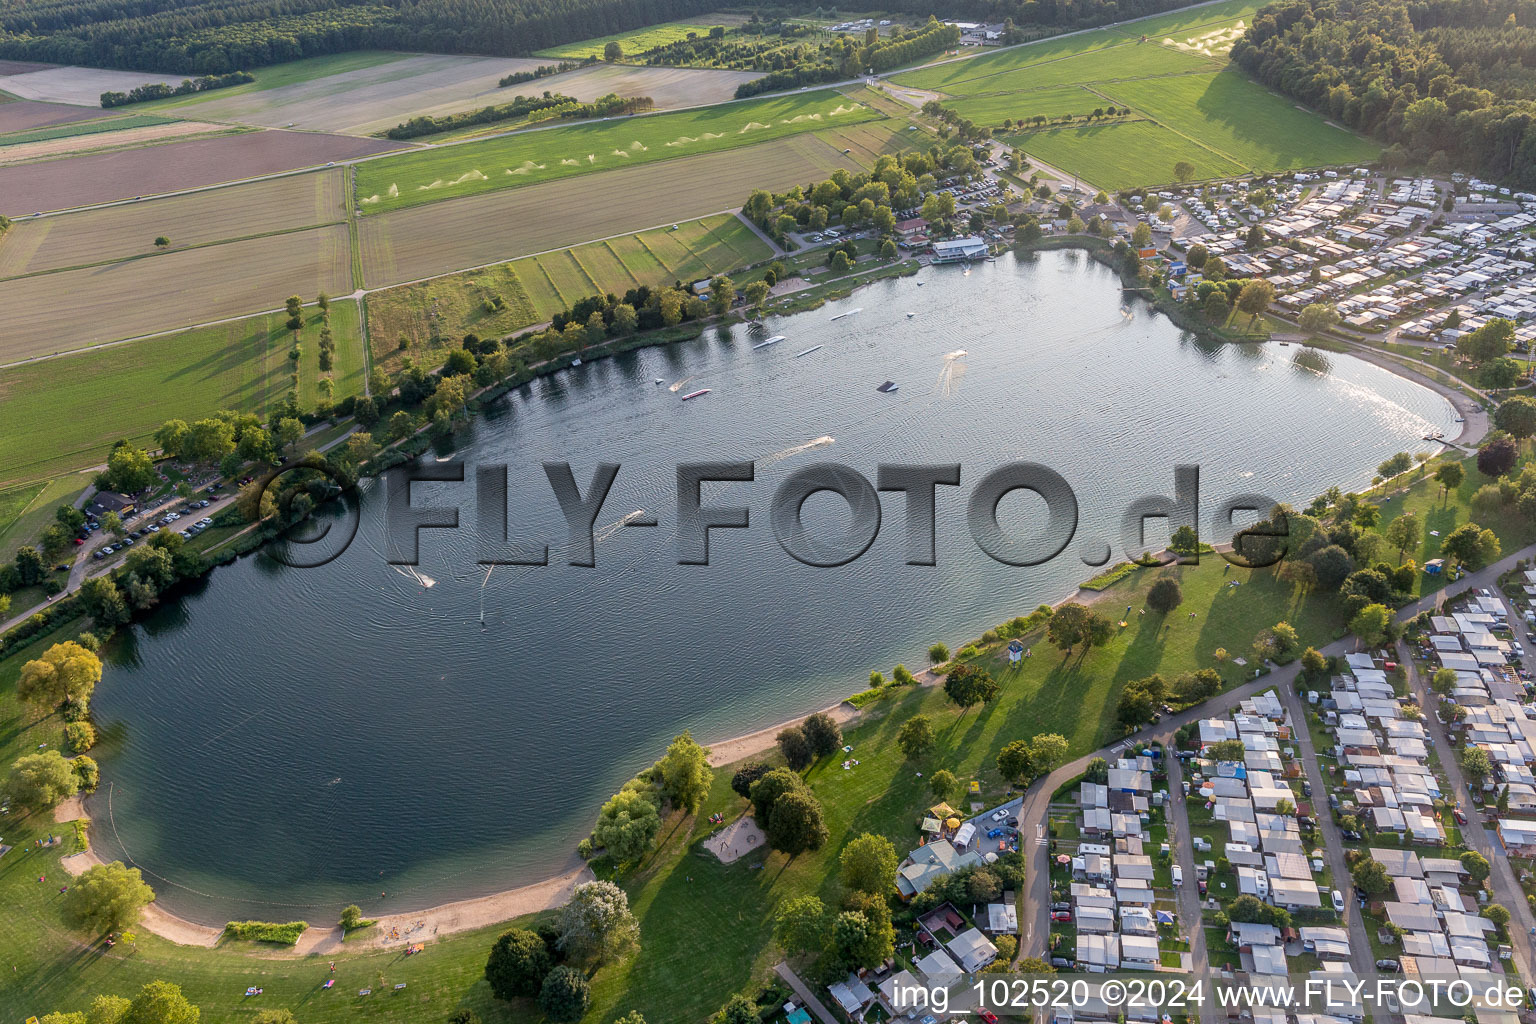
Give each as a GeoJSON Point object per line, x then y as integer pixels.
{"type": "Point", "coordinates": [1306, 788]}
{"type": "Point", "coordinates": [1000, 814]}
{"type": "Point", "coordinates": [1352, 835]}
{"type": "Point", "coordinates": [1060, 906]}
{"type": "Point", "coordinates": [984, 1013]}
{"type": "Point", "coordinates": [1061, 963]}
{"type": "Point", "coordinates": [1338, 901]}
{"type": "Point", "coordinates": [1461, 819]}
{"type": "Point", "coordinates": [1061, 916]}
{"type": "Point", "coordinates": [1389, 966]}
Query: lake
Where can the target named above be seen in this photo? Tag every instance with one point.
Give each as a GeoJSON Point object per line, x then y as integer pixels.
{"type": "Point", "coordinates": [285, 741]}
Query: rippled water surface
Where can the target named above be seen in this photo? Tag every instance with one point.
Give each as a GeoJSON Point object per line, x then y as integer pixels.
{"type": "Point", "coordinates": [304, 737]}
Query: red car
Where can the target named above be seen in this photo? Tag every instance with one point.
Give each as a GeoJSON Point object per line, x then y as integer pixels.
{"type": "Point", "coordinates": [1461, 819]}
{"type": "Point", "coordinates": [987, 1015]}
{"type": "Point", "coordinates": [1062, 916]}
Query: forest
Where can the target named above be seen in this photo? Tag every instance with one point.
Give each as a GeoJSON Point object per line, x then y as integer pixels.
{"type": "Point", "coordinates": [1446, 83]}
{"type": "Point", "coordinates": [215, 37]}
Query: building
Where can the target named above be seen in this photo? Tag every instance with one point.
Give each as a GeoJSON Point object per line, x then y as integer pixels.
{"type": "Point", "coordinates": [913, 231]}
{"type": "Point", "coordinates": [972, 950]}
{"type": "Point", "coordinates": [960, 250]}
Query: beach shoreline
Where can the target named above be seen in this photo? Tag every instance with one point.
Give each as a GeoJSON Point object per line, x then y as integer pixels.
{"type": "Point", "coordinates": [552, 891]}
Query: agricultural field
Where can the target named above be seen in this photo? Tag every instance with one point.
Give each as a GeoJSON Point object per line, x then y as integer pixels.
{"type": "Point", "coordinates": [106, 124]}
{"type": "Point", "coordinates": [80, 86]}
{"type": "Point", "coordinates": [537, 287]}
{"type": "Point", "coordinates": [1123, 154]}
{"type": "Point", "coordinates": [23, 115]}
{"type": "Point", "coordinates": [67, 145]}
{"type": "Point", "coordinates": [74, 309]}
{"type": "Point", "coordinates": [25, 509]}
{"type": "Point", "coordinates": [641, 39]}
{"type": "Point", "coordinates": [149, 170]}
{"type": "Point", "coordinates": [1242, 120]}
{"type": "Point", "coordinates": [62, 414]}
{"type": "Point", "coordinates": [374, 97]}
{"type": "Point", "coordinates": [427, 241]}
{"type": "Point", "coordinates": [525, 158]}
{"type": "Point", "coordinates": [113, 233]}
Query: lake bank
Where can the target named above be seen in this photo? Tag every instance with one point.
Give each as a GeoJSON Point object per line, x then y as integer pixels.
{"type": "Point", "coordinates": [797, 637]}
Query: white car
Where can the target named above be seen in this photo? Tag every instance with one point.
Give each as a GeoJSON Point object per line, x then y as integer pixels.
{"type": "Point", "coordinates": [1000, 815]}
{"type": "Point", "coordinates": [1338, 901]}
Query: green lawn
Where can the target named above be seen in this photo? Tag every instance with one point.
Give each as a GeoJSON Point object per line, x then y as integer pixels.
{"type": "Point", "coordinates": [61, 414]}
{"type": "Point", "coordinates": [1243, 120]}
{"type": "Point", "coordinates": [637, 41]}
{"type": "Point", "coordinates": [1442, 513]}
{"type": "Point", "coordinates": [1121, 155]}
{"type": "Point", "coordinates": [1122, 60]}
{"type": "Point", "coordinates": [524, 158]}
{"type": "Point", "coordinates": [1056, 101]}
{"type": "Point", "coordinates": [705, 926]}
{"type": "Point", "coordinates": [23, 523]}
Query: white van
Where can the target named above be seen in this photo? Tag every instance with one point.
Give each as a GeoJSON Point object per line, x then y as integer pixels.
{"type": "Point", "coordinates": [1178, 874]}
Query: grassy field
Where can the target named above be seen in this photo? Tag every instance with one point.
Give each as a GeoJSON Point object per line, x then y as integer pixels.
{"type": "Point", "coordinates": [1123, 154]}
{"type": "Point", "coordinates": [535, 288]}
{"type": "Point", "coordinates": [638, 41]}
{"type": "Point", "coordinates": [62, 414]}
{"type": "Point", "coordinates": [1168, 70]}
{"type": "Point", "coordinates": [75, 128]}
{"type": "Point", "coordinates": [1122, 60]}
{"type": "Point", "coordinates": [427, 241]}
{"type": "Point", "coordinates": [1054, 101]}
{"type": "Point", "coordinates": [528, 157]}
{"type": "Point", "coordinates": [75, 309]}
{"type": "Point", "coordinates": [1241, 119]}
{"type": "Point", "coordinates": [121, 232]}
{"type": "Point", "coordinates": [705, 927]}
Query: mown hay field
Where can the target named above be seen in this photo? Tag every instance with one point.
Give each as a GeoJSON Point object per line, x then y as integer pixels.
{"type": "Point", "coordinates": [61, 414]}
{"type": "Point", "coordinates": [426, 241]}
{"type": "Point", "coordinates": [424, 320]}
{"type": "Point", "coordinates": [74, 309]}
{"type": "Point", "coordinates": [119, 232]}
{"type": "Point", "coordinates": [529, 157]}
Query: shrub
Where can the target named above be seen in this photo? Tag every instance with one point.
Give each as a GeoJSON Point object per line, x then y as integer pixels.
{"type": "Point", "coordinates": [286, 934]}
{"type": "Point", "coordinates": [81, 736]}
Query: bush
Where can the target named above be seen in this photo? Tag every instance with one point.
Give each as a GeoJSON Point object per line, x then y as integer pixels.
{"type": "Point", "coordinates": [81, 736]}
{"type": "Point", "coordinates": [286, 934]}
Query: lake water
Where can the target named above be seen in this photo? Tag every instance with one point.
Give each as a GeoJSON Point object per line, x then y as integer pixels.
{"type": "Point", "coordinates": [288, 740]}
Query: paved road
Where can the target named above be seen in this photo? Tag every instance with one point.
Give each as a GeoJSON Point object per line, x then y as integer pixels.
{"type": "Point", "coordinates": [1033, 926]}
{"type": "Point", "coordinates": [1360, 957]}
{"type": "Point", "coordinates": [1506, 889]}
{"type": "Point", "coordinates": [1181, 844]}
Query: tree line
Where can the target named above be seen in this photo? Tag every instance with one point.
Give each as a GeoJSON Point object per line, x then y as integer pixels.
{"type": "Point", "coordinates": [542, 71]}
{"type": "Point", "coordinates": [213, 37]}
{"type": "Point", "coordinates": [1444, 82]}
{"type": "Point", "coordinates": [844, 58]}
{"type": "Point", "coordinates": [548, 107]}
{"type": "Point", "coordinates": [161, 90]}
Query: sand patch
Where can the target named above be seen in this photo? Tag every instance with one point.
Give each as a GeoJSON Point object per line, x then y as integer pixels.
{"type": "Point", "coordinates": [736, 840]}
